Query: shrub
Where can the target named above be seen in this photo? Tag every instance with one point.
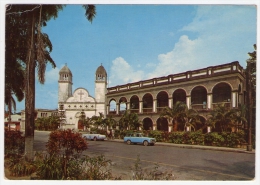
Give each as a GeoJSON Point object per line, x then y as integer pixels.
{"type": "Point", "coordinates": [186, 139]}
{"type": "Point", "coordinates": [157, 135]}
{"type": "Point", "coordinates": [13, 143]}
{"type": "Point", "coordinates": [67, 141]}
{"type": "Point", "coordinates": [165, 136]}
{"type": "Point", "coordinates": [230, 139]}
{"type": "Point", "coordinates": [63, 143]}
{"type": "Point", "coordinates": [213, 138]}
{"type": "Point", "coordinates": [18, 166]}
{"type": "Point", "coordinates": [197, 138]}
{"type": "Point", "coordinates": [51, 167]}
{"type": "Point", "coordinates": [95, 168]}
{"type": "Point", "coordinates": [176, 137]}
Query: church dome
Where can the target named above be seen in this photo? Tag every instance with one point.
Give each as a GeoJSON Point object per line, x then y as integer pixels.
{"type": "Point", "coordinates": [101, 71]}
{"type": "Point", "coordinates": [65, 69]}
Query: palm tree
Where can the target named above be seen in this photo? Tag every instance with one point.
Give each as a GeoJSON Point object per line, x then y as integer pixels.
{"type": "Point", "coordinates": [180, 115]}
{"type": "Point", "coordinates": [99, 120]}
{"type": "Point", "coordinates": [192, 118]}
{"type": "Point", "coordinates": [26, 18]}
{"type": "Point", "coordinates": [176, 114]}
{"type": "Point", "coordinates": [240, 116]}
{"type": "Point", "coordinates": [223, 118]}
{"type": "Point", "coordinates": [129, 121]}
{"type": "Point", "coordinates": [110, 122]}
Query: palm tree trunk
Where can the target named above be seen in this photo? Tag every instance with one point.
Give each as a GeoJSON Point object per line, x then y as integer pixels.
{"type": "Point", "coordinates": [175, 126]}
{"type": "Point", "coordinates": [30, 92]}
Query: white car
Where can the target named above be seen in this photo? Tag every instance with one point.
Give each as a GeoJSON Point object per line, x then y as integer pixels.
{"type": "Point", "coordinates": [94, 136]}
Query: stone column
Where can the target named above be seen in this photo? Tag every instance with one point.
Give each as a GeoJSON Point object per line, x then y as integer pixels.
{"type": "Point", "coordinates": [141, 107]}
{"type": "Point", "coordinates": [117, 108]}
{"type": "Point", "coordinates": [155, 105]}
{"type": "Point", "coordinates": [234, 99]}
{"type": "Point", "coordinates": [209, 106]}
{"type": "Point", "coordinates": [170, 102]}
{"type": "Point", "coordinates": [188, 101]}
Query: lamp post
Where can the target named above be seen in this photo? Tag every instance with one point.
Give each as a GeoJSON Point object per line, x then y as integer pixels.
{"type": "Point", "coordinates": [249, 105]}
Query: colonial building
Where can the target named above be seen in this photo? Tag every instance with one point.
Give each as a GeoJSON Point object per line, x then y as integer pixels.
{"type": "Point", "coordinates": [200, 89]}
{"type": "Point", "coordinates": [73, 105]}
{"type": "Point", "coordinates": [39, 113]}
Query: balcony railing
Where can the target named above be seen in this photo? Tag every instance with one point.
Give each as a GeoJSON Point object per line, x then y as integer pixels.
{"type": "Point", "coordinates": [226, 104]}
{"type": "Point", "coordinates": [134, 110]}
{"type": "Point", "coordinates": [147, 110]}
{"type": "Point", "coordinates": [199, 106]}
{"type": "Point", "coordinates": [208, 72]}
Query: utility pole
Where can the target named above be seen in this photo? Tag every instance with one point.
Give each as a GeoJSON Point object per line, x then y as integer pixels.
{"type": "Point", "coordinates": [249, 105]}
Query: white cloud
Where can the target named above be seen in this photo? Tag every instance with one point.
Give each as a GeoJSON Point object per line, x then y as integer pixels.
{"type": "Point", "coordinates": [52, 76]}
{"type": "Point", "coordinates": [217, 35]}
{"type": "Point", "coordinates": [123, 73]}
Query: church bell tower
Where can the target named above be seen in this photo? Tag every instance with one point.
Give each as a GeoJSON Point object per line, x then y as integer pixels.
{"type": "Point", "coordinates": [101, 89]}
{"type": "Point", "coordinates": [65, 84]}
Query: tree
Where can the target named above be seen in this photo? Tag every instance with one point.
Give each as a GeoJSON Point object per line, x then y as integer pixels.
{"type": "Point", "coordinates": [251, 93]}
{"type": "Point", "coordinates": [224, 119]}
{"type": "Point", "coordinates": [98, 120]}
{"type": "Point", "coordinates": [129, 121]}
{"type": "Point", "coordinates": [110, 122]}
{"type": "Point", "coordinates": [176, 114]}
{"type": "Point", "coordinates": [34, 51]}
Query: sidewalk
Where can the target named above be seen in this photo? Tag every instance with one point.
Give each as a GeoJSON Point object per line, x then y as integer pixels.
{"type": "Point", "coordinates": [201, 147]}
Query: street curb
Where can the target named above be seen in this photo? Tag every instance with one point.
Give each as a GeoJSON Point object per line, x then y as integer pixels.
{"type": "Point", "coordinates": [200, 147]}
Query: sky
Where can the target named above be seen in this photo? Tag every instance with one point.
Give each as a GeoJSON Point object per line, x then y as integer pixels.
{"type": "Point", "coordinates": [139, 42]}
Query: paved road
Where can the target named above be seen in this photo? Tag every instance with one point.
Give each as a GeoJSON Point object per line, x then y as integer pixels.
{"type": "Point", "coordinates": [183, 163]}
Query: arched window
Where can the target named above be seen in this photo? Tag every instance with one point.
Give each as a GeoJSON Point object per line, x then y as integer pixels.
{"type": "Point", "coordinates": [162, 100]}
{"type": "Point", "coordinates": [134, 104]}
{"type": "Point", "coordinates": [179, 95]}
{"type": "Point", "coordinates": [147, 103]}
{"type": "Point", "coordinates": [222, 94]}
{"type": "Point", "coordinates": [147, 124]}
{"type": "Point", "coordinates": [199, 98]}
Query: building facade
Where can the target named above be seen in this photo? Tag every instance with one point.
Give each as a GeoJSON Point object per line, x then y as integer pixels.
{"type": "Point", "coordinates": [80, 102]}
{"type": "Point", "coordinates": [39, 113]}
{"type": "Point", "coordinates": [200, 89]}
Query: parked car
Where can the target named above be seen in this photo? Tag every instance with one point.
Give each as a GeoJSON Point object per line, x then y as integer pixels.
{"type": "Point", "coordinates": [138, 138]}
{"type": "Point", "coordinates": [94, 136]}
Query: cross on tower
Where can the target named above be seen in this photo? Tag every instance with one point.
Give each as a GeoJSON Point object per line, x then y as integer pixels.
{"type": "Point", "coordinates": [80, 93]}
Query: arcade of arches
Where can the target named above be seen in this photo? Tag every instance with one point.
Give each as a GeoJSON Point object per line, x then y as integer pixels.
{"type": "Point", "coordinates": [199, 99]}
{"type": "Point", "coordinates": [202, 94]}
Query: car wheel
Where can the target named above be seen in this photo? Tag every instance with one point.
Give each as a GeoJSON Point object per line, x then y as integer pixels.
{"type": "Point", "coordinates": [145, 143]}
{"type": "Point", "coordinates": [128, 142]}
{"type": "Point", "coordinates": [94, 139]}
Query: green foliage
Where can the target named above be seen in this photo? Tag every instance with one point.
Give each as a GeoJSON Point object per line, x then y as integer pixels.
{"type": "Point", "coordinates": [176, 137]}
{"type": "Point", "coordinates": [230, 139]}
{"type": "Point", "coordinates": [13, 143]}
{"type": "Point", "coordinates": [157, 135]}
{"type": "Point", "coordinates": [47, 123]}
{"type": "Point", "coordinates": [129, 121]}
{"type": "Point", "coordinates": [213, 138]}
{"type": "Point", "coordinates": [56, 167]}
{"type": "Point", "coordinates": [18, 166]}
{"type": "Point", "coordinates": [197, 138]}
{"type": "Point", "coordinates": [51, 167]}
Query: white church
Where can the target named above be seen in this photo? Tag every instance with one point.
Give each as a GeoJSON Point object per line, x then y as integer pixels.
{"type": "Point", "coordinates": [72, 104]}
